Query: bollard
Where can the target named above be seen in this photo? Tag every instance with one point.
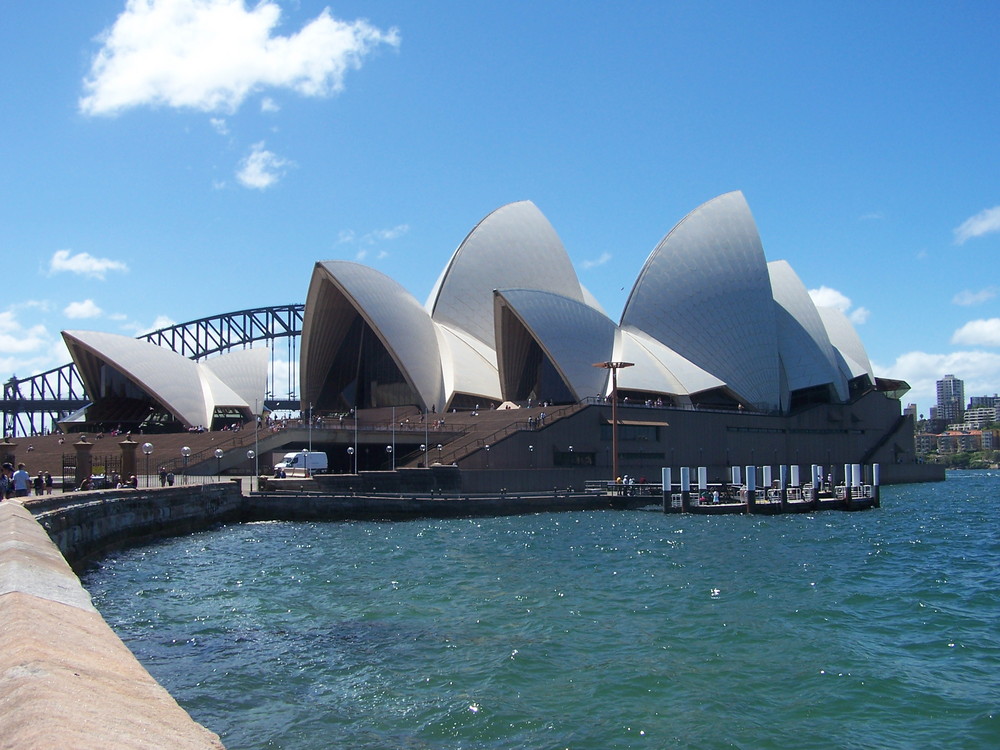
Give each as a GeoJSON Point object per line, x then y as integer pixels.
{"type": "Point", "coordinates": [685, 489]}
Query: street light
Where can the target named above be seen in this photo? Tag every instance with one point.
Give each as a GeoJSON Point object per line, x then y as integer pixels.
{"type": "Point", "coordinates": [487, 446]}
{"type": "Point", "coordinates": [186, 452]}
{"type": "Point", "coordinates": [531, 456]}
{"type": "Point", "coordinates": [614, 367]}
{"type": "Point", "coordinates": [354, 452]}
{"type": "Point", "coordinates": [440, 447]}
{"type": "Point", "coordinates": [218, 457]}
{"type": "Point", "coordinates": [388, 449]}
{"type": "Point", "coordinates": [350, 452]}
{"type": "Point", "coordinates": [147, 448]}
{"type": "Point", "coordinates": [423, 449]}
{"type": "Point", "coordinates": [252, 454]}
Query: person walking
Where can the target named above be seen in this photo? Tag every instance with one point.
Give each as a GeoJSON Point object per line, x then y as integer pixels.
{"type": "Point", "coordinates": [21, 481]}
{"type": "Point", "coordinates": [6, 488]}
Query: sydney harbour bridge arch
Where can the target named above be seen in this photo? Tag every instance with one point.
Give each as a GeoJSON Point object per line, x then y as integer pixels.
{"type": "Point", "coordinates": [32, 405]}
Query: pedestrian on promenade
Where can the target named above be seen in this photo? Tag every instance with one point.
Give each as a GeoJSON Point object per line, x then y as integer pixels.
{"type": "Point", "coordinates": [39, 485]}
{"type": "Point", "coordinates": [6, 488]}
{"type": "Point", "coordinates": [21, 481]}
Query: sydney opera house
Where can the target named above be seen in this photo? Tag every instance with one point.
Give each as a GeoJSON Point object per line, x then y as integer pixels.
{"type": "Point", "coordinates": [721, 358]}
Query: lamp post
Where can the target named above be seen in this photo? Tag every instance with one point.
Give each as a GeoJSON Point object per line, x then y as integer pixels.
{"type": "Point", "coordinates": [252, 454]}
{"type": "Point", "coordinates": [388, 449]}
{"type": "Point", "coordinates": [423, 449]}
{"type": "Point", "coordinates": [147, 448]}
{"type": "Point", "coordinates": [354, 411]}
{"type": "Point", "coordinates": [531, 456]}
{"type": "Point", "coordinates": [350, 454]}
{"type": "Point", "coordinates": [186, 453]}
{"type": "Point", "coordinates": [310, 429]}
{"type": "Point", "coordinates": [614, 367]}
{"type": "Point", "coordinates": [487, 446]}
{"type": "Point", "coordinates": [218, 457]}
{"type": "Point", "coordinates": [440, 447]}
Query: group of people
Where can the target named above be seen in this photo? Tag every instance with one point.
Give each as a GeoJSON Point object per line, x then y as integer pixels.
{"type": "Point", "coordinates": [166, 477]}
{"type": "Point", "coordinates": [19, 483]}
{"type": "Point", "coordinates": [625, 485]}
{"type": "Point", "coordinates": [101, 482]}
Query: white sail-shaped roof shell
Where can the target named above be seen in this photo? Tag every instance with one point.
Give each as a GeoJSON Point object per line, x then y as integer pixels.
{"type": "Point", "coordinates": [658, 369]}
{"type": "Point", "coordinates": [467, 364]}
{"type": "Point", "coordinates": [515, 247]}
{"type": "Point", "coordinates": [245, 372]}
{"type": "Point", "coordinates": [807, 355]}
{"type": "Point", "coordinates": [187, 389]}
{"type": "Point", "coordinates": [398, 320]}
{"type": "Point", "coordinates": [705, 293]}
{"type": "Point", "coordinates": [847, 343]}
{"type": "Point", "coordinates": [572, 334]}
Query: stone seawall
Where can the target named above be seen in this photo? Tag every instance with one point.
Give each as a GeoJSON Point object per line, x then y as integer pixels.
{"type": "Point", "coordinates": [317, 507]}
{"type": "Point", "coordinates": [85, 525]}
{"type": "Point", "coordinates": [66, 679]}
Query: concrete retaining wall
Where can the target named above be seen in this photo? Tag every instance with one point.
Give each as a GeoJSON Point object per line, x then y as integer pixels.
{"type": "Point", "coordinates": [85, 525]}
{"type": "Point", "coordinates": [66, 679]}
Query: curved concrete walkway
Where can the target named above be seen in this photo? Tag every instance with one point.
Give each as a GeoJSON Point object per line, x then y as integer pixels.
{"type": "Point", "coordinates": [66, 679]}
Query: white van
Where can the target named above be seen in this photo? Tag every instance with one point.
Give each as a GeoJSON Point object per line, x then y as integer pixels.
{"type": "Point", "coordinates": [302, 463]}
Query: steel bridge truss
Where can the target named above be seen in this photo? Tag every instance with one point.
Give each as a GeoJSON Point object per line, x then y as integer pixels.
{"type": "Point", "coordinates": [30, 404]}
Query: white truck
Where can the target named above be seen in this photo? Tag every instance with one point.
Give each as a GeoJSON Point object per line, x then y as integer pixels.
{"type": "Point", "coordinates": [302, 464]}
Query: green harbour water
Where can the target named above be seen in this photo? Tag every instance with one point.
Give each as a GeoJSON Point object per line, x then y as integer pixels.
{"type": "Point", "coordinates": [589, 630]}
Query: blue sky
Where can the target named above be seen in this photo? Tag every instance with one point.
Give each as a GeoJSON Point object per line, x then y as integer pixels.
{"type": "Point", "coordinates": [166, 160]}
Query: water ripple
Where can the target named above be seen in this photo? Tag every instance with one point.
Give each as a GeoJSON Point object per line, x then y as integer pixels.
{"type": "Point", "coordinates": [585, 630]}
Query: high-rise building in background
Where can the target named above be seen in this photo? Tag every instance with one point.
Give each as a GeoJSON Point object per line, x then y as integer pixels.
{"type": "Point", "coordinates": [950, 399]}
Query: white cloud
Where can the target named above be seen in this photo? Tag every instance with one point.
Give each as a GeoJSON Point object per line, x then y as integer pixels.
{"type": "Point", "coordinates": [261, 168]}
{"type": "Point", "coordinates": [980, 371]}
{"type": "Point", "coordinates": [209, 55]}
{"type": "Point", "coordinates": [388, 234]}
{"type": "Point", "coordinates": [84, 264]}
{"type": "Point", "coordinates": [827, 297]}
{"type": "Point", "coordinates": [219, 125]}
{"type": "Point", "coordinates": [16, 339]}
{"type": "Point", "coordinates": [985, 222]}
{"type": "Point", "coordinates": [859, 315]}
{"type": "Point", "coordinates": [267, 104]}
{"type": "Point", "coordinates": [85, 309]}
{"type": "Point", "coordinates": [967, 297]}
{"type": "Point", "coordinates": [140, 329]}
{"type": "Point", "coordinates": [367, 240]}
{"type": "Point", "coordinates": [978, 333]}
{"type": "Point", "coordinates": [872, 216]}
{"type": "Point", "coordinates": [588, 264]}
